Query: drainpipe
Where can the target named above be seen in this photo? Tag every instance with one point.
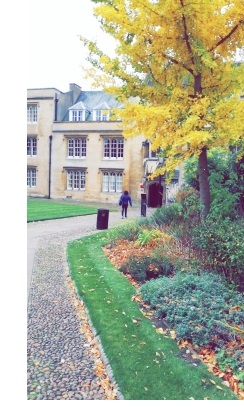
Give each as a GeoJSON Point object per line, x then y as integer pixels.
{"type": "Point", "coordinates": [50, 165]}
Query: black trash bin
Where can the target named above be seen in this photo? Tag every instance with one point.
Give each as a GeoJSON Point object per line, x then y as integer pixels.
{"type": "Point", "coordinates": [102, 219]}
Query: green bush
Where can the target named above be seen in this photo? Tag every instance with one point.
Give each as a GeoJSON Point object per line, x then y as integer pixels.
{"type": "Point", "coordinates": [146, 268]}
{"type": "Point", "coordinates": [128, 232]}
{"type": "Point", "coordinates": [222, 245]}
{"type": "Point", "coordinates": [224, 203]}
{"type": "Point", "coordinates": [198, 308]}
{"type": "Point", "coordinates": [168, 215]}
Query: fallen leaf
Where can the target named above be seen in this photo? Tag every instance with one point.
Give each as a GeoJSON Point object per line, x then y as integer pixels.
{"type": "Point", "coordinates": [173, 334]}
{"type": "Point", "coordinates": [160, 331]}
{"type": "Point", "coordinates": [218, 387]}
{"type": "Point", "coordinates": [212, 381]}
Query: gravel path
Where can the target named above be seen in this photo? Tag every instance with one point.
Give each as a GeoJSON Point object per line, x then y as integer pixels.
{"type": "Point", "coordinates": [64, 358]}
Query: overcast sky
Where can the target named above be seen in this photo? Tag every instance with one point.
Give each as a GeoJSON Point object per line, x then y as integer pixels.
{"type": "Point", "coordinates": [54, 50]}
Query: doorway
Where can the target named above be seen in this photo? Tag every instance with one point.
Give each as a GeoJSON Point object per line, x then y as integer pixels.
{"type": "Point", "coordinates": [155, 195]}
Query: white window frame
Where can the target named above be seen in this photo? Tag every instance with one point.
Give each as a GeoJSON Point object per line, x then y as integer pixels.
{"type": "Point", "coordinates": [76, 179]}
{"type": "Point", "coordinates": [112, 181]}
{"type": "Point", "coordinates": [76, 147]}
{"type": "Point", "coordinates": [77, 115]}
{"type": "Point", "coordinates": [32, 113]}
{"type": "Point", "coordinates": [101, 115]}
{"type": "Point", "coordinates": [31, 146]}
{"type": "Point", "coordinates": [31, 177]}
{"type": "Point", "coordinates": [113, 148]}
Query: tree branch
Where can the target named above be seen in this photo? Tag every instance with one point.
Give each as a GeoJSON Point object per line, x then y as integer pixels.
{"type": "Point", "coordinates": [227, 36]}
{"type": "Point", "coordinates": [186, 36]}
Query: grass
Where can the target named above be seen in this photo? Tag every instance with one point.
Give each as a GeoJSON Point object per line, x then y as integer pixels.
{"type": "Point", "coordinates": [145, 364]}
{"type": "Point", "coordinates": [38, 209]}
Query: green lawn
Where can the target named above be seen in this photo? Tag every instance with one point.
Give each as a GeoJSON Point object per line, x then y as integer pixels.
{"type": "Point", "coordinates": [146, 364]}
{"type": "Point", "coordinates": [40, 209]}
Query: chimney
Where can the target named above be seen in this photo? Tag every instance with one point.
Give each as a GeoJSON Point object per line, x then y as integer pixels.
{"type": "Point", "coordinates": [76, 90]}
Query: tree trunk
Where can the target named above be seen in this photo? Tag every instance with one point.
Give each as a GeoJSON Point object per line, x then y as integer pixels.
{"type": "Point", "coordinates": [203, 174]}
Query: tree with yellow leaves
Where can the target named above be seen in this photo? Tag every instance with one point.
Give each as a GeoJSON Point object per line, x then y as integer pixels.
{"type": "Point", "coordinates": [176, 74]}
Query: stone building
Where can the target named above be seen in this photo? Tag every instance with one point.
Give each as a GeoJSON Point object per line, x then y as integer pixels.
{"type": "Point", "coordinates": [75, 150]}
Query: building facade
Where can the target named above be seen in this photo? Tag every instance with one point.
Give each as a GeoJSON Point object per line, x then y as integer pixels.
{"type": "Point", "coordinates": [75, 150]}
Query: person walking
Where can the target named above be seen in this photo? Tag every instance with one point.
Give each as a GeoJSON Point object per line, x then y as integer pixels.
{"type": "Point", "coordinates": [124, 201]}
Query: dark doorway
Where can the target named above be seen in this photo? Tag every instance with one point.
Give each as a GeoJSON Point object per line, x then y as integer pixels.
{"type": "Point", "coordinates": [155, 195]}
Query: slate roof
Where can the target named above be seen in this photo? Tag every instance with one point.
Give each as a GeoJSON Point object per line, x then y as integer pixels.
{"type": "Point", "coordinates": [90, 100]}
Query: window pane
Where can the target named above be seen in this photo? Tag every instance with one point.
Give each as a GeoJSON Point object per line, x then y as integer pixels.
{"type": "Point", "coordinates": [28, 178]}
{"type": "Point", "coordinates": [70, 147]}
{"type": "Point", "coordinates": [113, 148]}
{"type": "Point", "coordinates": [120, 148]}
{"type": "Point", "coordinates": [98, 115]}
{"type": "Point", "coordinates": [106, 148]}
{"type": "Point", "coordinates": [31, 113]}
{"type": "Point", "coordinates": [105, 182]}
{"type": "Point", "coordinates": [104, 116]}
{"type": "Point", "coordinates": [34, 144]}
{"type": "Point", "coordinates": [31, 177]}
{"type": "Point", "coordinates": [28, 146]}
{"type": "Point", "coordinates": [69, 180]}
{"type": "Point", "coordinates": [77, 148]}
{"type": "Point", "coordinates": [112, 182]}
{"type": "Point", "coordinates": [31, 146]}
{"type": "Point", "coordinates": [76, 180]}
{"type": "Point", "coordinates": [82, 180]}
{"type": "Point", "coordinates": [83, 148]}
{"type": "Point", "coordinates": [119, 182]}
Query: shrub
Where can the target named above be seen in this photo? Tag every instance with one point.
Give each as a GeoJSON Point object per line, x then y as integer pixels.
{"type": "Point", "coordinates": [145, 236]}
{"type": "Point", "coordinates": [146, 268]}
{"type": "Point", "coordinates": [153, 237]}
{"type": "Point", "coordinates": [200, 308]}
{"type": "Point", "coordinates": [128, 232]}
{"type": "Point", "coordinates": [189, 199]}
{"type": "Point", "coordinates": [224, 203]}
{"type": "Point", "coordinates": [222, 246]}
{"type": "Point", "coordinates": [168, 215]}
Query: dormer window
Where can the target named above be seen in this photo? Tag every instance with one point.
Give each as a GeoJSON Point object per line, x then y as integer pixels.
{"type": "Point", "coordinates": [77, 115]}
{"type": "Point", "coordinates": [102, 115]}
{"type": "Point", "coordinates": [101, 112]}
{"type": "Point", "coordinates": [77, 112]}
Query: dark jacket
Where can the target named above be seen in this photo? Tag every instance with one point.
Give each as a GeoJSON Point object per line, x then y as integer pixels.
{"type": "Point", "coordinates": [126, 200]}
